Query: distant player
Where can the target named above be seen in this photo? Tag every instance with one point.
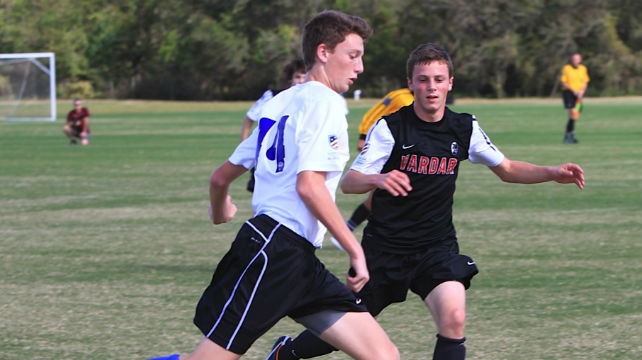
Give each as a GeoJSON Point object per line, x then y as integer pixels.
{"type": "Point", "coordinates": [299, 148]}
{"type": "Point", "coordinates": [294, 72]}
{"type": "Point", "coordinates": [390, 103]}
{"type": "Point", "coordinates": [574, 81]}
{"type": "Point", "coordinates": [77, 125]}
{"type": "Point", "coordinates": [411, 160]}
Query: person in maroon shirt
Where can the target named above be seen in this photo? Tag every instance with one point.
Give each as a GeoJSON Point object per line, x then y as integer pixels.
{"type": "Point", "coordinates": [77, 126]}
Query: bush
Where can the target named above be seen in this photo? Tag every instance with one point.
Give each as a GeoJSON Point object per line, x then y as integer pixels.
{"type": "Point", "coordinates": [77, 89]}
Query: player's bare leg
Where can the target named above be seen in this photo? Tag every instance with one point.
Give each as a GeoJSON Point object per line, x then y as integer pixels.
{"type": "Point", "coordinates": [359, 335]}
{"type": "Point", "coordinates": [68, 132]}
{"type": "Point", "coordinates": [447, 303]}
{"type": "Point", "coordinates": [84, 138]}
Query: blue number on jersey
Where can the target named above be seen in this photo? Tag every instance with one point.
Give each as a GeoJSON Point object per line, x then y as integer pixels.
{"type": "Point", "coordinates": [277, 150]}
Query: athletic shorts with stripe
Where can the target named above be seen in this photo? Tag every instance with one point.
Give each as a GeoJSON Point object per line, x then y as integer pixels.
{"type": "Point", "coordinates": [392, 275]}
{"type": "Point", "coordinates": [269, 272]}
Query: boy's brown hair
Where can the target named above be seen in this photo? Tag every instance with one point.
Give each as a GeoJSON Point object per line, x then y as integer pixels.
{"type": "Point", "coordinates": [330, 27]}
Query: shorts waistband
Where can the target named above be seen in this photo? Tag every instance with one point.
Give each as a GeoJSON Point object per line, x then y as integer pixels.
{"type": "Point", "coordinates": [266, 225]}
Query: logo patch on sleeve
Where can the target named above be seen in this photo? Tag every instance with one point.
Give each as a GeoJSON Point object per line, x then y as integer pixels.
{"type": "Point", "coordinates": [334, 141]}
{"type": "Point", "coordinates": [454, 148]}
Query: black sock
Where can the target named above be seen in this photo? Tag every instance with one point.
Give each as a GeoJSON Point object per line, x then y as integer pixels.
{"type": "Point", "coordinates": [358, 216]}
{"type": "Point", "coordinates": [449, 349]}
{"type": "Point", "coordinates": [305, 346]}
{"type": "Point", "coordinates": [570, 126]}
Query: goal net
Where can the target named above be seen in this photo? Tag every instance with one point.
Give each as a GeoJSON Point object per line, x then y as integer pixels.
{"type": "Point", "coordinates": [28, 87]}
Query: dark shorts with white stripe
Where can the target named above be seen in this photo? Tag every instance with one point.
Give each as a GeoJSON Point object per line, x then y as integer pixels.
{"type": "Point", "coordinates": [269, 272]}
{"type": "Point", "coordinates": [392, 275]}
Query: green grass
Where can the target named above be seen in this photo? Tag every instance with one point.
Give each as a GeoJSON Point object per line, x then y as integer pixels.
{"type": "Point", "coordinates": [106, 249]}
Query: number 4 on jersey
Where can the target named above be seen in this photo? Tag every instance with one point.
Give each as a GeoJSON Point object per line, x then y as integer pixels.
{"type": "Point", "coordinates": [276, 152]}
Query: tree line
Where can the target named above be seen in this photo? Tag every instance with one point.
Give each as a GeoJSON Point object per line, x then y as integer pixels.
{"type": "Point", "coordinates": [235, 49]}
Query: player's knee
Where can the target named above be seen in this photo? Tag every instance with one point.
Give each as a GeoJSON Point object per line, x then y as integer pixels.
{"type": "Point", "coordinates": [388, 351]}
{"type": "Point", "coordinates": [455, 322]}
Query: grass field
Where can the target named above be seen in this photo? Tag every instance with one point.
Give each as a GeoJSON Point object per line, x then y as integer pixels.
{"type": "Point", "coordinates": [106, 249]}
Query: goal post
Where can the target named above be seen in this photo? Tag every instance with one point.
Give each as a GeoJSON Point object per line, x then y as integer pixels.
{"type": "Point", "coordinates": [28, 86]}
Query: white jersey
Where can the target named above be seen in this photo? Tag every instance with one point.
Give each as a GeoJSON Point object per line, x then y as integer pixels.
{"type": "Point", "coordinates": [302, 128]}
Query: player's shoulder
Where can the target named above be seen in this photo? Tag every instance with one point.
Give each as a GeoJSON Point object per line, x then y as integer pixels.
{"type": "Point", "coordinates": [459, 120]}
{"type": "Point", "coordinates": [404, 114]}
{"type": "Point", "coordinates": [314, 92]}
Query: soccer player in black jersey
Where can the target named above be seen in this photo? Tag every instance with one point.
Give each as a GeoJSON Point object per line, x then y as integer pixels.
{"type": "Point", "coordinates": [411, 160]}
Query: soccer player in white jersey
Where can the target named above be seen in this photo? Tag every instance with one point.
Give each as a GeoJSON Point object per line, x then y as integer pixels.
{"type": "Point", "coordinates": [411, 159]}
{"type": "Point", "coordinates": [299, 149]}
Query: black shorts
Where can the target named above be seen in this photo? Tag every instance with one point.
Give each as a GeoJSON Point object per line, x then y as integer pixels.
{"type": "Point", "coordinates": [392, 275]}
{"type": "Point", "coordinates": [569, 99]}
{"type": "Point", "coordinates": [269, 272]}
{"type": "Point", "coordinates": [75, 131]}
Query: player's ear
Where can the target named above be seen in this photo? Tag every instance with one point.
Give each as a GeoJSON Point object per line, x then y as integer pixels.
{"type": "Point", "coordinates": [410, 84]}
{"type": "Point", "coordinates": [450, 83]}
{"type": "Point", "coordinates": [322, 53]}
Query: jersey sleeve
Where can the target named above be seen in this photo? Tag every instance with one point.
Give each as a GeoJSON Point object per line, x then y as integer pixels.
{"type": "Point", "coordinates": [245, 152]}
{"type": "Point", "coordinates": [255, 111]}
{"type": "Point", "coordinates": [322, 138]}
{"type": "Point", "coordinates": [564, 76]}
{"type": "Point", "coordinates": [376, 151]}
{"type": "Point", "coordinates": [482, 150]}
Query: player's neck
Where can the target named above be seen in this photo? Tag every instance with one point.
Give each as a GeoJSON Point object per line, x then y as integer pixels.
{"type": "Point", "coordinates": [430, 116]}
{"type": "Point", "coordinates": [318, 74]}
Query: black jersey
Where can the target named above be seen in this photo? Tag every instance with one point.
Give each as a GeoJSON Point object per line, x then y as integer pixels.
{"type": "Point", "coordinates": [430, 154]}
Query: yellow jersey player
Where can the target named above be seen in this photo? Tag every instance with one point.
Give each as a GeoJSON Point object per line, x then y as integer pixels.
{"type": "Point", "coordinates": [574, 80]}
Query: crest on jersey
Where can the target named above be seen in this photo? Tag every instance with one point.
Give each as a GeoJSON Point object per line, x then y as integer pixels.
{"type": "Point", "coordinates": [334, 141]}
{"type": "Point", "coordinates": [454, 148]}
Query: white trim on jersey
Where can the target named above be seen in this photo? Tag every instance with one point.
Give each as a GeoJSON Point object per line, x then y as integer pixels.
{"type": "Point", "coordinates": [482, 150]}
{"type": "Point", "coordinates": [262, 253]}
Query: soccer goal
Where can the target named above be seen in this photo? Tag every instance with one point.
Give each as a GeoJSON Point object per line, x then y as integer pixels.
{"type": "Point", "coordinates": [28, 87]}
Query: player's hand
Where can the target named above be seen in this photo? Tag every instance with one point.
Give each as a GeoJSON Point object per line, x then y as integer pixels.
{"type": "Point", "coordinates": [395, 182]}
{"type": "Point", "coordinates": [570, 174]}
{"type": "Point", "coordinates": [227, 213]}
{"type": "Point", "coordinates": [358, 275]}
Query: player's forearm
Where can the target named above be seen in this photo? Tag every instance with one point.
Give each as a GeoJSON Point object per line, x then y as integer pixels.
{"type": "Point", "coordinates": [245, 130]}
{"type": "Point", "coordinates": [85, 124]}
{"type": "Point", "coordinates": [355, 182]}
{"type": "Point", "coordinates": [521, 172]}
{"type": "Point", "coordinates": [316, 197]}
{"type": "Point", "coordinates": [220, 181]}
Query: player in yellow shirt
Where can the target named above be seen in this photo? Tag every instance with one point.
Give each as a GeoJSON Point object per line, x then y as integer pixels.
{"type": "Point", "coordinates": [574, 80]}
{"type": "Point", "coordinates": [390, 103]}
